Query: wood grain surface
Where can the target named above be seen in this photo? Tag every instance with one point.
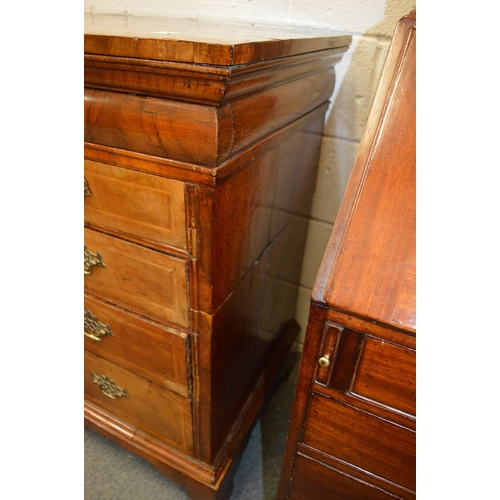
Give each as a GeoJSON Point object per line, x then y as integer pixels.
{"type": "Point", "coordinates": [352, 433]}
{"type": "Point", "coordinates": [374, 271]}
{"type": "Point", "coordinates": [201, 155]}
{"type": "Point", "coordinates": [163, 413]}
{"type": "Point", "coordinates": [150, 350]}
{"type": "Point", "coordinates": [201, 42]}
{"type": "Point", "coordinates": [138, 204]}
{"type": "Point", "coordinates": [143, 279]}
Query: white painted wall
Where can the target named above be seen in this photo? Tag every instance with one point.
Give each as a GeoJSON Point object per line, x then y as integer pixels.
{"type": "Point", "coordinates": [371, 23]}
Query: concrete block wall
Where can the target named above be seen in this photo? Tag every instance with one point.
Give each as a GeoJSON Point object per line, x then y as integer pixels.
{"type": "Point", "coordinates": [371, 24]}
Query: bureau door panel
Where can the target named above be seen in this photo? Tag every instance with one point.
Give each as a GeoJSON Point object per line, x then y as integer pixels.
{"type": "Point", "coordinates": [144, 279]}
{"type": "Point", "coordinates": [136, 203]}
{"type": "Point", "coordinates": [387, 374]}
{"type": "Point", "coordinates": [370, 443]}
{"type": "Point", "coordinates": [139, 402]}
{"type": "Point", "coordinates": [154, 352]}
{"type": "Point", "coordinates": [314, 480]}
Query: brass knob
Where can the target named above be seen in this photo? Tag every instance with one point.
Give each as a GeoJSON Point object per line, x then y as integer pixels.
{"type": "Point", "coordinates": [324, 361]}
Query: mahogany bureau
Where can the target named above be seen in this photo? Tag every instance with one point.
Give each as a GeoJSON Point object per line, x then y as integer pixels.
{"type": "Point", "coordinates": [352, 434]}
{"type": "Point", "coordinates": [201, 153]}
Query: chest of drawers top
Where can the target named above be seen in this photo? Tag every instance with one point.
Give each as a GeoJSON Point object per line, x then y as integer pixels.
{"type": "Point", "coordinates": [199, 93]}
{"type": "Point", "coordinates": [201, 42]}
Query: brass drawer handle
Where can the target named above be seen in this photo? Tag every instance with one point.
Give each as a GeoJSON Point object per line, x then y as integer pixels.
{"type": "Point", "coordinates": [86, 190]}
{"type": "Point", "coordinates": [108, 387]}
{"type": "Point", "coordinates": [91, 260]}
{"type": "Point", "coordinates": [324, 361]}
{"type": "Point", "coordinates": [93, 328]}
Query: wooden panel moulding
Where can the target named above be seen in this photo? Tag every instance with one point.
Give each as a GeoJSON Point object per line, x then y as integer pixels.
{"type": "Point", "coordinates": [206, 175]}
{"type": "Point", "coordinates": [198, 134]}
{"type": "Point", "coordinates": [212, 85]}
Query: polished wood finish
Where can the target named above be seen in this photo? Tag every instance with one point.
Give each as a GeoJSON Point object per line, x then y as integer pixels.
{"type": "Point", "coordinates": [149, 349]}
{"type": "Point", "coordinates": [200, 166]}
{"type": "Point", "coordinates": [159, 289]}
{"type": "Point", "coordinates": [135, 203]}
{"type": "Point", "coordinates": [353, 430]}
{"type": "Point", "coordinates": [200, 42]}
{"type": "Point", "coordinates": [205, 135]}
{"type": "Point", "coordinates": [330, 483]}
{"type": "Point", "coordinates": [161, 413]}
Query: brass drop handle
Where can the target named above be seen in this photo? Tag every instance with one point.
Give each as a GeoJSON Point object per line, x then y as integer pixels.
{"type": "Point", "coordinates": [93, 328]}
{"type": "Point", "coordinates": [91, 260]}
{"type": "Point", "coordinates": [108, 387]}
{"type": "Point", "coordinates": [324, 361]}
{"type": "Point", "coordinates": [86, 190]}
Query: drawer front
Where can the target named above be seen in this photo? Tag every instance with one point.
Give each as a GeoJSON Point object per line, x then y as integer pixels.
{"type": "Point", "coordinates": [377, 370]}
{"type": "Point", "coordinates": [153, 352]}
{"type": "Point", "coordinates": [139, 402]}
{"type": "Point", "coordinates": [143, 205]}
{"type": "Point", "coordinates": [164, 128]}
{"type": "Point", "coordinates": [387, 374]}
{"type": "Point", "coordinates": [143, 279]}
{"type": "Point", "coordinates": [370, 443]}
{"type": "Point", "coordinates": [313, 479]}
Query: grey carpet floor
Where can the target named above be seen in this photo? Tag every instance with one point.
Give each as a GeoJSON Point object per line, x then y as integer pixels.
{"type": "Point", "coordinates": [112, 473]}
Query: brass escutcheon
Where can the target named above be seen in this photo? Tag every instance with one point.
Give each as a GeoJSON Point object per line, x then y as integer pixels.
{"type": "Point", "coordinates": [91, 260]}
{"type": "Point", "coordinates": [93, 328]}
{"type": "Point", "coordinates": [86, 190]}
{"type": "Point", "coordinates": [108, 387]}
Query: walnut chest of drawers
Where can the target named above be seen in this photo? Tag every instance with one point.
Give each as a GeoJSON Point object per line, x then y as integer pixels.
{"type": "Point", "coordinates": [352, 434]}
{"type": "Point", "coordinates": [201, 152]}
